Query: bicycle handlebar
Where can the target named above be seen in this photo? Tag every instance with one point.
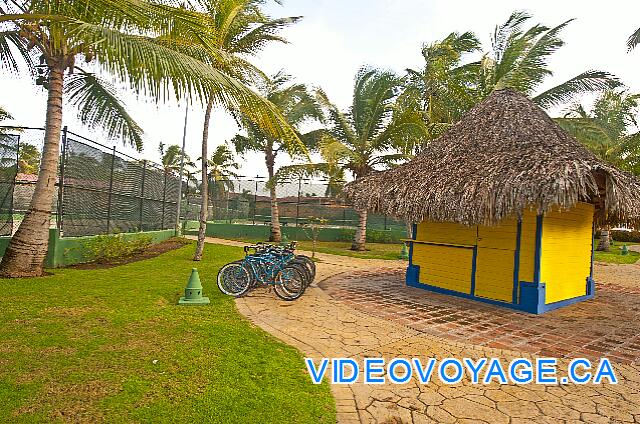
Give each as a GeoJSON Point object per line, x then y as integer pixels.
{"type": "Point", "coordinates": [268, 247]}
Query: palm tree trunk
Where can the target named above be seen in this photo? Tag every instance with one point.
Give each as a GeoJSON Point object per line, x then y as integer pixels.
{"type": "Point", "coordinates": [361, 232]}
{"type": "Point", "coordinates": [27, 249]}
{"type": "Point", "coordinates": [605, 240]}
{"type": "Point", "coordinates": [409, 225]}
{"type": "Point", "coordinates": [204, 190]}
{"type": "Point", "coordinates": [276, 233]}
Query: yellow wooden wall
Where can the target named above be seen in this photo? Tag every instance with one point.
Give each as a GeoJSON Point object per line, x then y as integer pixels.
{"type": "Point", "coordinates": [528, 246]}
{"type": "Point", "coordinates": [565, 256]}
{"type": "Point", "coordinates": [445, 266]}
{"type": "Point", "coordinates": [566, 252]}
{"type": "Point", "coordinates": [495, 262]}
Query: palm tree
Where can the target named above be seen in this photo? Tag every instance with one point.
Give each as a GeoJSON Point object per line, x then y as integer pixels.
{"type": "Point", "coordinates": [133, 40]}
{"type": "Point", "coordinates": [448, 86]}
{"type": "Point", "coordinates": [607, 131]}
{"type": "Point", "coordinates": [171, 158]}
{"type": "Point", "coordinates": [519, 60]}
{"type": "Point", "coordinates": [4, 114]}
{"type": "Point", "coordinates": [442, 88]}
{"type": "Point", "coordinates": [28, 158]}
{"type": "Point", "coordinates": [606, 128]}
{"type": "Point", "coordinates": [242, 30]}
{"type": "Point", "coordinates": [222, 173]}
{"type": "Point", "coordinates": [633, 40]}
{"type": "Point", "coordinates": [369, 135]}
{"type": "Point", "coordinates": [298, 106]}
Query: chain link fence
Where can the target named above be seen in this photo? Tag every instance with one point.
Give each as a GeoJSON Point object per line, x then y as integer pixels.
{"type": "Point", "coordinates": [102, 191]}
{"type": "Point", "coordinates": [300, 202]}
{"type": "Point", "coordinates": [8, 170]}
{"type": "Point", "coordinates": [98, 190]}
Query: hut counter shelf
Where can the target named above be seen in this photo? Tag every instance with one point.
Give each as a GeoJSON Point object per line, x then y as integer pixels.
{"type": "Point", "coordinates": [505, 205]}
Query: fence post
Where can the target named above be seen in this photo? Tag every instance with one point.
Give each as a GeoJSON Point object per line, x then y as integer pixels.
{"type": "Point", "coordinates": [255, 201]}
{"type": "Point", "coordinates": [113, 164]}
{"type": "Point", "coordinates": [385, 222]}
{"type": "Point", "coordinates": [13, 187]}
{"type": "Point", "coordinates": [298, 204]}
{"type": "Point", "coordinates": [144, 174]}
{"type": "Point", "coordinates": [187, 205]}
{"type": "Point", "coordinates": [164, 198]}
{"type": "Point", "coordinates": [61, 179]}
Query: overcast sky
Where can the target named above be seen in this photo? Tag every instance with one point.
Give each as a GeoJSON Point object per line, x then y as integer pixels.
{"type": "Point", "coordinates": [336, 37]}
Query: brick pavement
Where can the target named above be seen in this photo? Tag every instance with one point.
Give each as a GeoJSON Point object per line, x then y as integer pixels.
{"type": "Point", "coordinates": [607, 325]}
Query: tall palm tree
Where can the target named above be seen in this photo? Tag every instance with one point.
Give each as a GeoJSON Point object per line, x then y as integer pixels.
{"type": "Point", "coordinates": [370, 134]}
{"type": "Point", "coordinates": [171, 157]}
{"type": "Point", "coordinates": [609, 130]}
{"type": "Point", "coordinates": [133, 40]}
{"type": "Point", "coordinates": [222, 173]}
{"type": "Point", "coordinates": [242, 30]}
{"type": "Point", "coordinates": [298, 106]}
{"type": "Point", "coordinates": [634, 40]}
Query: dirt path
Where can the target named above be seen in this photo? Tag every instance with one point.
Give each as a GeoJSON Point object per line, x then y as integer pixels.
{"type": "Point", "coordinates": [320, 326]}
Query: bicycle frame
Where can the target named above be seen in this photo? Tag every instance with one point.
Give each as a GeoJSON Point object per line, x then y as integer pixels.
{"type": "Point", "coordinates": [266, 266]}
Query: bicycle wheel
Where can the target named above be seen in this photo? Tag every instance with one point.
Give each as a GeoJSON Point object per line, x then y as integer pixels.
{"type": "Point", "coordinates": [290, 283]}
{"type": "Point", "coordinates": [308, 277]}
{"type": "Point", "coordinates": [309, 264]}
{"type": "Point", "coordinates": [234, 279]}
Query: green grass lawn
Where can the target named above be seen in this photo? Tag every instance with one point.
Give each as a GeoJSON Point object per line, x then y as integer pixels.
{"type": "Point", "coordinates": [613, 256]}
{"type": "Point", "coordinates": [392, 251]}
{"type": "Point", "coordinates": [389, 251]}
{"type": "Point", "coordinates": [374, 250]}
{"type": "Point", "coordinates": [111, 344]}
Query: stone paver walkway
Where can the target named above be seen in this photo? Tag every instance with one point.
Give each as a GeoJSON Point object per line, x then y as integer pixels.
{"type": "Point", "coordinates": [605, 326]}
{"type": "Point", "coordinates": [320, 326]}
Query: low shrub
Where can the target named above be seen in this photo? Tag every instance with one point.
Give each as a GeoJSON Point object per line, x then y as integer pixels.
{"type": "Point", "coordinates": [626, 236]}
{"type": "Point", "coordinates": [107, 248]}
{"type": "Point", "coordinates": [379, 236]}
{"type": "Point", "coordinates": [345, 235]}
{"type": "Point", "coordinates": [623, 236]}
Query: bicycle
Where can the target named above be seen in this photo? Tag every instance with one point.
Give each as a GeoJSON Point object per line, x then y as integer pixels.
{"type": "Point", "coordinates": [268, 265]}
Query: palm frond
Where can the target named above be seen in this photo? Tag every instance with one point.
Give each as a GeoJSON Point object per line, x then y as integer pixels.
{"type": "Point", "coordinates": [99, 105]}
{"type": "Point", "coordinates": [340, 126]}
{"type": "Point", "coordinates": [4, 114]}
{"type": "Point", "coordinates": [531, 67]}
{"type": "Point", "coordinates": [254, 40]}
{"type": "Point", "coordinates": [12, 39]}
{"type": "Point", "coordinates": [586, 82]}
{"type": "Point", "coordinates": [634, 40]}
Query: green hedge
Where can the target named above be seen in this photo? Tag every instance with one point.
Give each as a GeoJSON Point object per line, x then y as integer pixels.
{"type": "Point", "coordinates": [65, 251]}
{"type": "Point", "coordinates": [626, 236]}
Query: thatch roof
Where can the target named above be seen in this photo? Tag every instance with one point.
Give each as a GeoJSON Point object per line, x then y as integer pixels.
{"type": "Point", "coordinates": [504, 156]}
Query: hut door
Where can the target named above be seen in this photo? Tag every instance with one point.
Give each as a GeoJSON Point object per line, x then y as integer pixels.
{"type": "Point", "coordinates": [495, 261]}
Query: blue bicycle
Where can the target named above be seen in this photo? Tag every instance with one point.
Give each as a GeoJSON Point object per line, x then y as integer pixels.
{"type": "Point", "coordinates": [267, 265]}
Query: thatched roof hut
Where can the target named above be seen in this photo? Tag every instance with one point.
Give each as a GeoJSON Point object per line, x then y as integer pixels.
{"type": "Point", "coordinates": [505, 155]}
